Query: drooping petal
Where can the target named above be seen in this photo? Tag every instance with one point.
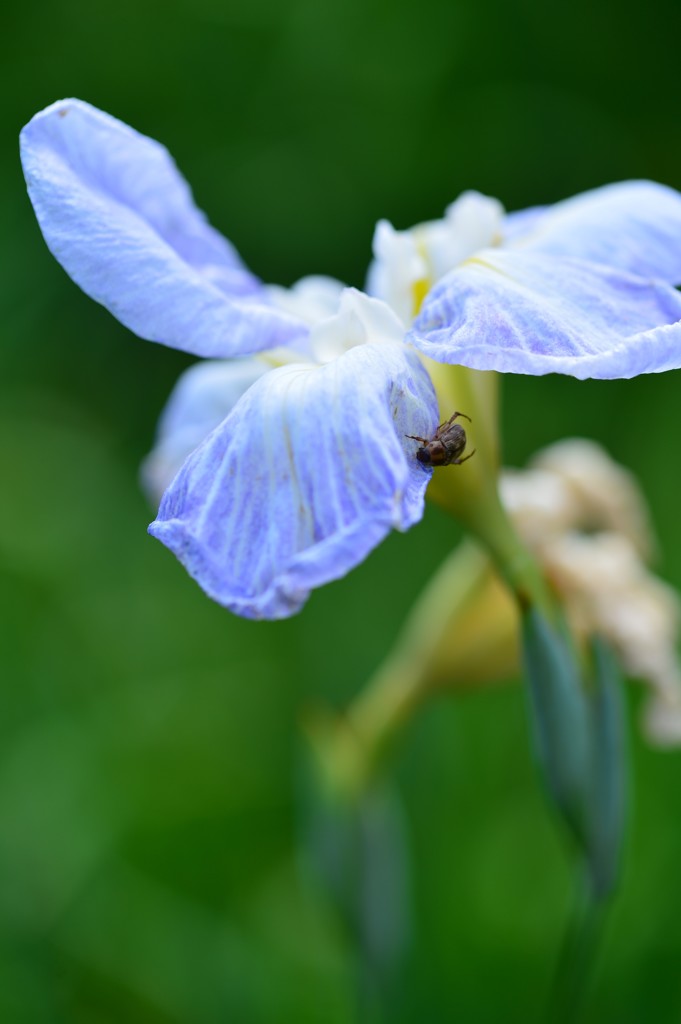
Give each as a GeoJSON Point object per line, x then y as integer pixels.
{"type": "Point", "coordinates": [199, 402]}
{"type": "Point", "coordinates": [524, 312]}
{"type": "Point", "coordinates": [633, 225]}
{"type": "Point", "coordinates": [120, 219]}
{"type": "Point", "coordinates": [308, 473]}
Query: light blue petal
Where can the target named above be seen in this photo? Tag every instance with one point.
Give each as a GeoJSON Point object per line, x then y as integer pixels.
{"type": "Point", "coordinates": [308, 473]}
{"type": "Point", "coordinates": [523, 312]}
{"type": "Point", "coordinates": [120, 219]}
{"type": "Point", "coordinates": [519, 223]}
{"type": "Point", "coordinates": [634, 226]}
{"type": "Point", "coordinates": [199, 402]}
{"type": "Point", "coordinates": [656, 350]}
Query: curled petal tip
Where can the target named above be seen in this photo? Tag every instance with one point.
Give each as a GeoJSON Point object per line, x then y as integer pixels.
{"type": "Point", "coordinates": [120, 218]}
{"type": "Point", "coordinates": [525, 312]}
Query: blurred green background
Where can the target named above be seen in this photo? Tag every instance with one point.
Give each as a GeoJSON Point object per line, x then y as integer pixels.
{"type": "Point", "coordinates": [150, 759]}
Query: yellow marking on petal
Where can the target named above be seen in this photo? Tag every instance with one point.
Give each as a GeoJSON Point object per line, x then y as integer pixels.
{"type": "Point", "coordinates": [280, 356]}
{"type": "Point", "coordinates": [488, 265]}
{"type": "Point", "coordinates": [419, 290]}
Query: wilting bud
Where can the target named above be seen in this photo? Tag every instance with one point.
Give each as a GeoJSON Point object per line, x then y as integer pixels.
{"type": "Point", "coordinates": [585, 519]}
{"type": "Point", "coordinates": [606, 495]}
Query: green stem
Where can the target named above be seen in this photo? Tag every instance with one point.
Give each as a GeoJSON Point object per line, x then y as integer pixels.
{"type": "Point", "coordinates": [489, 521]}
{"type": "Point", "coordinates": [350, 747]}
{"type": "Point", "coordinates": [406, 677]}
{"type": "Point", "coordinates": [578, 955]}
{"type": "Point", "coordinates": [469, 492]}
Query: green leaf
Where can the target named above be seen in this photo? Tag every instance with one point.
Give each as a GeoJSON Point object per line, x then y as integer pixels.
{"type": "Point", "coordinates": [579, 743]}
{"type": "Point", "coordinates": [558, 711]}
{"type": "Point", "coordinates": [608, 790]}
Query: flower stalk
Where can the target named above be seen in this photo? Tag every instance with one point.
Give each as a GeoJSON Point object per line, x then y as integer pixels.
{"type": "Point", "coordinates": [462, 632]}
{"type": "Point", "coordinates": [471, 493]}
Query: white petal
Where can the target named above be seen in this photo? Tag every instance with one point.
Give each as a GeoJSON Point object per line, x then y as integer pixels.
{"type": "Point", "coordinates": [397, 268]}
{"type": "Point", "coordinates": [408, 263]}
{"type": "Point", "coordinates": [310, 299]}
{"type": "Point", "coordinates": [471, 223]}
{"type": "Point", "coordinates": [358, 319]}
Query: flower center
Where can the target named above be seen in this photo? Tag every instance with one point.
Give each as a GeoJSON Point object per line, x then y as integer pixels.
{"type": "Point", "coordinates": [408, 263]}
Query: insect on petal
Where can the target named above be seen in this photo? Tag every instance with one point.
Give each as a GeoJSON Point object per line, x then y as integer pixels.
{"type": "Point", "coordinates": [303, 479]}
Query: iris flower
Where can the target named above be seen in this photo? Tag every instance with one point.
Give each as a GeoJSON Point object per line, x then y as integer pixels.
{"type": "Point", "coordinates": [286, 457]}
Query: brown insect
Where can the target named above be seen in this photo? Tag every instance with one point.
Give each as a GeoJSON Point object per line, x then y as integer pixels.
{"type": "Point", "coordinates": [446, 446]}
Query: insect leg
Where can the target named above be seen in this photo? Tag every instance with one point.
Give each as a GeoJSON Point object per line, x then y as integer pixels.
{"type": "Point", "coordinates": [457, 462]}
{"type": "Point", "coordinates": [415, 437]}
{"type": "Point", "coordinates": [447, 423]}
{"type": "Point", "coordinates": [455, 416]}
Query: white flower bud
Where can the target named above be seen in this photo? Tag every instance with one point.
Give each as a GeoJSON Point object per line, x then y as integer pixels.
{"type": "Point", "coordinates": [586, 520]}
{"type": "Point", "coordinates": [607, 495]}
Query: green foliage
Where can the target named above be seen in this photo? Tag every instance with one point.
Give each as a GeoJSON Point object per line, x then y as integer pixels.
{"type": "Point", "coordinates": [578, 738]}
{"type": "Point", "coordinates": [561, 729]}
